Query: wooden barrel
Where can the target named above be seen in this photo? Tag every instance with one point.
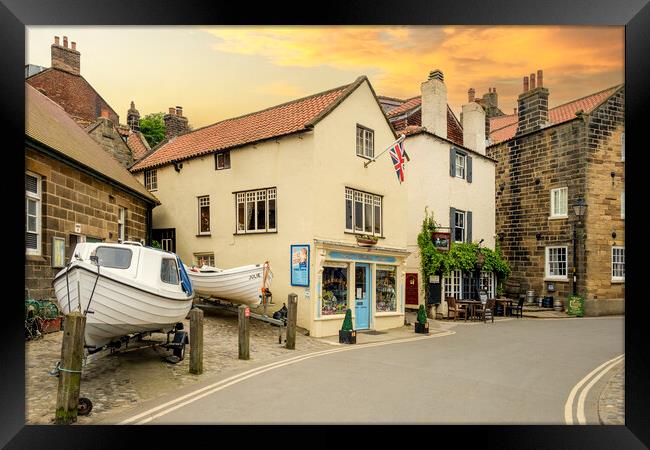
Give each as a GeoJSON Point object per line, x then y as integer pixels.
{"type": "Point", "coordinates": [557, 304]}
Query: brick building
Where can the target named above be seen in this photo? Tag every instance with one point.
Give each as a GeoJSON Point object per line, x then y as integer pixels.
{"type": "Point", "coordinates": [64, 84]}
{"type": "Point", "coordinates": [74, 192]}
{"type": "Point", "coordinates": [548, 159]}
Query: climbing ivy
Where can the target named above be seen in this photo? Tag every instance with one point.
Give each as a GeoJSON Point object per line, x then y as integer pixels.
{"type": "Point", "coordinates": [461, 256]}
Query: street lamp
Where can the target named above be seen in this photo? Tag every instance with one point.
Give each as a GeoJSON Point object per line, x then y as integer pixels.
{"type": "Point", "coordinates": [579, 208]}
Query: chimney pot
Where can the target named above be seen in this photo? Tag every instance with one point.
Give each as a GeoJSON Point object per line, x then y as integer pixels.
{"type": "Point", "coordinates": [172, 110]}
{"type": "Point", "coordinates": [437, 74]}
{"type": "Point", "coordinates": [74, 45]}
{"type": "Point", "coordinates": [539, 78]}
{"type": "Point", "coordinates": [56, 40]}
{"type": "Point", "coordinates": [179, 110]}
{"type": "Point", "coordinates": [65, 41]}
{"type": "Point", "coordinates": [532, 81]}
{"type": "Point", "coordinates": [525, 84]}
{"type": "Point", "coordinates": [494, 90]}
{"type": "Point", "coordinates": [470, 94]}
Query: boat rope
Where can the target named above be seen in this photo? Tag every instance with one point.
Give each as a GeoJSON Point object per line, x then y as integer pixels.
{"type": "Point", "coordinates": [93, 292]}
{"type": "Point", "coordinates": [55, 372]}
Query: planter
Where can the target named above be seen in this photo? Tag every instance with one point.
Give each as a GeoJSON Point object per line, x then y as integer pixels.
{"type": "Point", "coordinates": [347, 337]}
{"type": "Point", "coordinates": [367, 241]}
{"type": "Point", "coordinates": [50, 325]}
{"type": "Point", "coordinates": [422, 328]}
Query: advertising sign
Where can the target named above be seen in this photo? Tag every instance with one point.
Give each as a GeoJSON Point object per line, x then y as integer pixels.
{"type": "Point", "coordinates": [441, 240]}
{"type": "Point", "coordinates": [300, 265]}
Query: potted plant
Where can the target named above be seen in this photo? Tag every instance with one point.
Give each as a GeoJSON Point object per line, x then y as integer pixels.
{"type": "Point", "coordinates": [422, 324]}
{"type": "Point", "coordinates": [346, 334]}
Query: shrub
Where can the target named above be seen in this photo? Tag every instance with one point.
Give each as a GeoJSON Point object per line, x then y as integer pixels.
{"type": "Point", "coordinates": [422, 315]}
{"type": "Point", "coordinates": [347, 322]}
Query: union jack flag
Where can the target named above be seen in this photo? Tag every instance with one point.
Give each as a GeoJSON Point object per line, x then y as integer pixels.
{"type": "Point", "coordinates": [398, 154]}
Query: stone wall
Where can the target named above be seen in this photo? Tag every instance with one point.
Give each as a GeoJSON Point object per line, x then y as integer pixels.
{"type": "Point", "coordinates": [580, 154]}
{"type": "Point", "coordinates": [70, 197]}
{"type": "Point", "coordinates": [105, 133]}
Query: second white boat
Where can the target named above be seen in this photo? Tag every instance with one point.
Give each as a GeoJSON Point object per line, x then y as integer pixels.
{"type": "Point", "coordinates": [245, 285]}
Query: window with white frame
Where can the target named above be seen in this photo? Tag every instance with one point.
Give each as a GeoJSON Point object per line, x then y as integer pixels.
{"type": "Point", "coordinates": [363, 212]}
{"type": "Point", "coordinates": [151, 180]}
{"type": "Point", "coordinates": [204, 214]}
{"type": "Point", "coordinates": [256, 211]}
{"type": "Point", "coordinates": [453, 285]}
{"type": "Point", "coordinates": [459, 226]}
{"type": "Point", "coordinates": [461, 161]}
{"type": "Point", "coordinates": [487, 283]}
{"type": "Point", "coordinates": [121, 224]}
{"type": "Point", "coordinates": [559, 202]}
{"type": "Point", "coordinates": [618, 263]}
{"type": "Point", "coordinates": [622, 146]}
{"type": "Point", "coordinates": [204, 259]}
{"type": "Point", "coordinates": [33, 235]}
{"type": "Point", "coordinates": [462, 284]}
{"type": "Point", "coordinates": [556, 263]}
{"type": "Point", "coordinates": [365, 142]}
{"type": "Point", "coordinates": [222, 160]}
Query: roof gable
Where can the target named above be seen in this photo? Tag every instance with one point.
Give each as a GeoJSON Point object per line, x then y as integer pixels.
{"type": "Point", "coordinates": [281, 120]}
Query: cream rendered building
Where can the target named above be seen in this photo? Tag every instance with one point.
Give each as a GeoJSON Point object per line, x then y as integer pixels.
{"type": "Point", "coordinates": [244, 190]}
{"type": "Point", "coordinates": [450, 175]}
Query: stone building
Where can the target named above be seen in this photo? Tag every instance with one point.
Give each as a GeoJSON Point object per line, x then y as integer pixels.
{"type": "Point", "coordinates": [452, 177]}
{"type": "Point", "coordinates": [74, 192]}
{"type": "Point", "coordinates": [548, 159]}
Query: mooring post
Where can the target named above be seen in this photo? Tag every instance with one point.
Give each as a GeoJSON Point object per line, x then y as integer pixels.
{"type": "Point", "coordinates": [67, 398]}
{"type": "Point", "coordinates": [196, 341]}
{"type": "Point", "coordinates": [292, 314]}
{"type": "Point", "coordinates": [244, 339]}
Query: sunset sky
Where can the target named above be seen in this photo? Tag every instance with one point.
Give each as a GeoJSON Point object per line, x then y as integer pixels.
{"type": "Point", "coordinates": [219, 72]}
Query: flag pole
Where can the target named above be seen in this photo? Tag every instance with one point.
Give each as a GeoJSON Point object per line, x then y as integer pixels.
{"type": "Point", "coordinates": [401, 138]}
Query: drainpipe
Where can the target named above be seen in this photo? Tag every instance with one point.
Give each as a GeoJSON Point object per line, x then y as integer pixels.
{"type": "Point", "coordinates": [149, 224]}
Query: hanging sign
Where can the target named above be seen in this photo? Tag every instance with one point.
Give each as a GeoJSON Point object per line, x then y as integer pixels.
{"type": "Point", "coordinates": [300, 265]}
{"type": "Point", "coordinates": [441, 240]}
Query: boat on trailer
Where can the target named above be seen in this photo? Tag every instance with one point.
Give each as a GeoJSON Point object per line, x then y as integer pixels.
{"type": "Point", "coordinates": [124, 289]}
{"type": "Point", "coordinates": [248, 285]}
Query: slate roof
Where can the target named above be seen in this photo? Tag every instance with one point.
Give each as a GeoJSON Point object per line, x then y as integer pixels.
{"type": "Point", "coordinates": [503, 128]}
{"type": "Point", "coordinates": [288, 118]}
{"type": "Point", "coordinates": [47, 123]}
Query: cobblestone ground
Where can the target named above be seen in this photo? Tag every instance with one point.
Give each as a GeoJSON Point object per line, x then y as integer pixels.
{"type": "Point", "coordinates": [611, 404]}
{"type": "Point", "coordinates": [119, 381]}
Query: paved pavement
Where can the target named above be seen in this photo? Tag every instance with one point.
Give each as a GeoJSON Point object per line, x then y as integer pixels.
{"type": "Point", "coordinates": [512, 371]}
{"type": "Point", "coordinates": [611, 404]}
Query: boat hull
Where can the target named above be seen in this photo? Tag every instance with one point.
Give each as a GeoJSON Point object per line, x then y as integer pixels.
{"type": "Point", "coordinates": [242, 285]}
{"type": "Point", "coordinates": [117, 308]}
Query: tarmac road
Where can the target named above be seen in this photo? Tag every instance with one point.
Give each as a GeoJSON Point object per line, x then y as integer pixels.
{"type": "Point", "coordinates": [520, 371]}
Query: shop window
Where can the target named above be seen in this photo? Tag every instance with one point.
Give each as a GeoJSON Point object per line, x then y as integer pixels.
{"type": "Point", "coordinates": [335, 290]}
{"type": "Point", "coordinates": [386, 288]}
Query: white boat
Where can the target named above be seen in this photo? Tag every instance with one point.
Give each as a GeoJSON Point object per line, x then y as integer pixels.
{"type": "Point", "coordinates": [123, 289]}
{"type": "Point", "coordinates": [245, 285]}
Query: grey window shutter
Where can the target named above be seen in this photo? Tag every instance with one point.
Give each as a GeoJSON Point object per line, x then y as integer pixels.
{"type": "Point", "coordinates": [452, 162]}
{"type": "Point", "coordinates": [452, 222]}
{"type": "Point", "coordinates": [469, 169]}
{"type": "Point", "coordinates": [468, 225]}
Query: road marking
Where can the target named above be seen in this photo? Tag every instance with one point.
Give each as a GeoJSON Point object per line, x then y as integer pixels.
{"type": "Point", "coordinates": [217, 386]}
{"type": "Point", "coordinates": [568, 406]}
{"type": "Point", "coordinates": [580, 409]}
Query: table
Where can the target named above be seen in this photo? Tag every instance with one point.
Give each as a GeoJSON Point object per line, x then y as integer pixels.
{"type": "Point", "coordinates": [471, 307]}
{"type": "Point", "coordinates": [505, 303]}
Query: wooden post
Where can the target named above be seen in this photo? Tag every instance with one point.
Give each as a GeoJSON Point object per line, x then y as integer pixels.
{"type": "Point", "coordinates": [196, 341]}
{"type": "Point", "coordinates": [67, 399]}
{"type": "Point", "coordinates": [244, 338]}
{"type": "Point", "coordinates": [292, 314]}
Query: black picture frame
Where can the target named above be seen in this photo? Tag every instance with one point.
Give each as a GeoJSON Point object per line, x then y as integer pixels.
{"type": "Point", "coordinates": [633, 14]}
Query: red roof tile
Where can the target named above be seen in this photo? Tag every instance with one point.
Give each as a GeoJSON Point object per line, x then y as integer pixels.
{"type": "Point", "coordinates": [138, 145]}
{"type": "Point", "coordinates": [412, 108]}
{"type": "Point", "coordinates": [505, 127]}
{"type": "Point", "coordinates": [295, 116]}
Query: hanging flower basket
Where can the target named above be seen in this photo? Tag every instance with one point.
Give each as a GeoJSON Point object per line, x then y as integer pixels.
{"type": "Point", "coordinates": [366, 241]}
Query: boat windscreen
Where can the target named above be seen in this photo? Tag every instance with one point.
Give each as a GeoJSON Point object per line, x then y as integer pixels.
{"type": "Point", "coordinates": [116, 258]}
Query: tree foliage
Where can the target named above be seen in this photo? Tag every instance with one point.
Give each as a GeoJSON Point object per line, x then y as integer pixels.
{"type": "Point", "coordinates": [152, 127]}
{"type": "Point", "coordinates": [461, 256]}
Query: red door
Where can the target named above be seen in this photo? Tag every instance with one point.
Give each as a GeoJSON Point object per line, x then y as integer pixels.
{"type": "Point", "coordinates": [411, 288]}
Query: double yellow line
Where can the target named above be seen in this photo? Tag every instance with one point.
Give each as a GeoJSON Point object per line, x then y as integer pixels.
{"type": "Point", "coordinates": [594, 375]}
{"type": "Point", "coordinates": [172, 405]}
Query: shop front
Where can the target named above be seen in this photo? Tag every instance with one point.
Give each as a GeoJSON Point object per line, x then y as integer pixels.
{"type": "Point", "coordinates": [368, 281]}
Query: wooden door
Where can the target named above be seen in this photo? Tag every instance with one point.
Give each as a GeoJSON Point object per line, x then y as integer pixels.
{"type": "Point", "coordinates": [412, 288]}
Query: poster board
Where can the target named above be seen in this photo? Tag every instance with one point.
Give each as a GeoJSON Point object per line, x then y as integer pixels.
{"type": "Point", "coordinates": [300, 265]}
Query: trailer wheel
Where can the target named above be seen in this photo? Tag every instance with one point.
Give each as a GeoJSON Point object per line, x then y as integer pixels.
{"type": "Point", "coordinates": [179, 352]}
{"type": "Point", "coordinates": [85, 406]}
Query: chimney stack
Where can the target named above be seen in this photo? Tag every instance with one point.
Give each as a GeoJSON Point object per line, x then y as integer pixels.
{"type": "Point", "coordinates": [73, 45]}
{"type": "Point", "coordinates": [133, 118]}
{"type": "Point", "coordinates": [539, 78]}
{"type": "Point", "coordinates": [474, 127]}
{"type": "Point", "coordinates": [175, 123]}
{"type": "Point", "coordinates": [532, 107]}
{"type": "Point", "coordinates": [434, 104]}
{"type": "Point", "coordinates": [470, 95]}
{"type": "Point", "coordinates": [64, 58]}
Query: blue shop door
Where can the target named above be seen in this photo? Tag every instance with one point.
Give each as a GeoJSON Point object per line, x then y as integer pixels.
{"type": "Point", "coordinates": [362, 296]}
